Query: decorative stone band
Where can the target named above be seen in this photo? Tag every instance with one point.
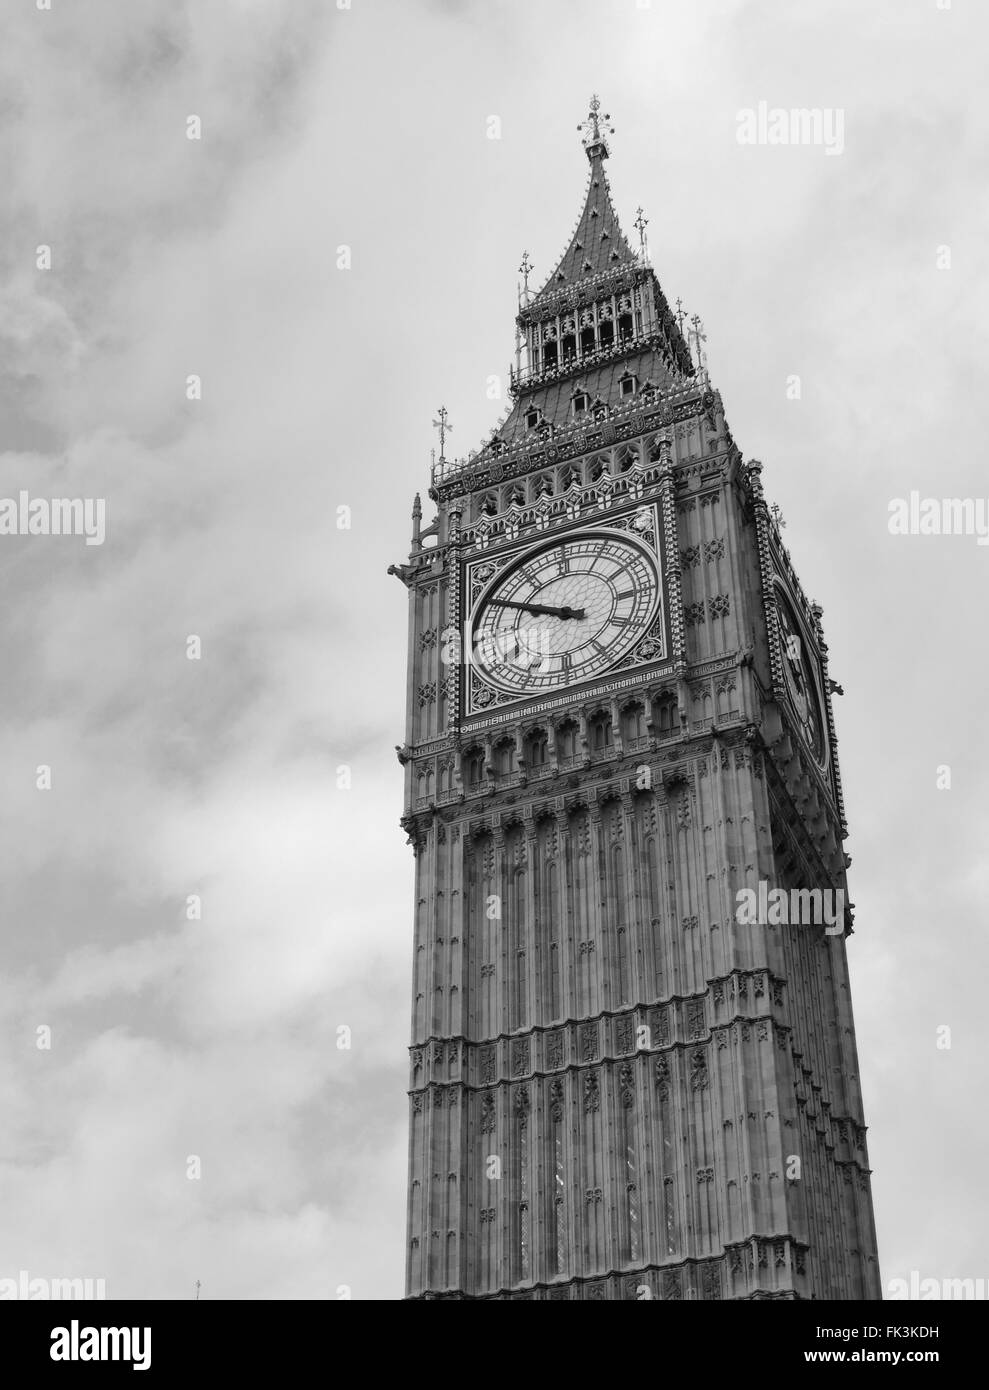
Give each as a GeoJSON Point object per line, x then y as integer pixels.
{"type": "Point", "coordinates": [565, 704]}
{"type": "Point", "coordinates": [672, 548]}
{"type": "Point", "coordinates": [759, 1267]}
{"type": "Point", "coordinates": [743, 997]}
{"type": "Point", "coordinates": [522, 711]}
{"type": "Point", "coordinates": [458, 477]}
{"type": "Point", "coordinates": [687, 1058]}
{"type": "Point", "coordinates": [553, 302]}
{"type": "Point", "coordinates": [766, 576]}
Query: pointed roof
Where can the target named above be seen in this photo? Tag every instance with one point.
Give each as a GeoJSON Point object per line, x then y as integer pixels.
{"type": "Point", "coordinates": [598, 243]}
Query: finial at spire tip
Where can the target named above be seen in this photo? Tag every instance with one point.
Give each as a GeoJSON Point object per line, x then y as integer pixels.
{"type": "Point", "coordinates": [595, 128]}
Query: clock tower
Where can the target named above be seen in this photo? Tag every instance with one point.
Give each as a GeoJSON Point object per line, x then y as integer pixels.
{"type": "Point", "coordinates": [633, 1069]}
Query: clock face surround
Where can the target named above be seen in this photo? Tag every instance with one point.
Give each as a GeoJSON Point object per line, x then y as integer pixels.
{"type": "Point", "coordinates": [565, 611]}
{"type": "Point", "coordinates": [801, 682]}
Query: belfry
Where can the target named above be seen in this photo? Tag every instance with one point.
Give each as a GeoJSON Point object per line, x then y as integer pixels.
{"type": "Point", "coordinates": [620, 725]}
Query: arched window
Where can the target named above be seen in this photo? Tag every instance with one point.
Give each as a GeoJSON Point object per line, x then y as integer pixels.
{"type": "Point", "coordinates": [634, 722]}
{"type": "Point", "coordinates": [667, 716]}
{"type": "Point", "coordinates": [566, 739]}
{"type": "Point", "coordinates": [600, 731]}
{"type": "Point", "coordinates": [625, 319]}
{"type": "Point", "coordinates": [504, 757]}
{"type": "Point", "coordinates": [537, 749]}
{"type": "Point", "coordinates": [473, 767]}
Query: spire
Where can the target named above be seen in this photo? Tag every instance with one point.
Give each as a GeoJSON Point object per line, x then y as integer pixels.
{"type": "Point", "coordinates": [598, 243]}
{"type": "Point", "coordinates": [601, 305]}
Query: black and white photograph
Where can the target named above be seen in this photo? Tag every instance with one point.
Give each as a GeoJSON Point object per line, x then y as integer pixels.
{"type": "Point", "coordinates": [494, 530]}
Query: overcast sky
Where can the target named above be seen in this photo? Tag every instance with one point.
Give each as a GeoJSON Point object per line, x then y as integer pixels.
{"type": "Point", "coordinates": [368, 127]}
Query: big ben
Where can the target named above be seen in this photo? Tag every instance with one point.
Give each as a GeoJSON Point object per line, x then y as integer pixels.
{"type": "Point", "coordinates": [620, 726]}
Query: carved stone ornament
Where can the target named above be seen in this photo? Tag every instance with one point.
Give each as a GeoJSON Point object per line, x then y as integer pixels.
{"type": "Point", "coordinates": [556, 1099]}
{"type": "Point", "coordinates": [592, 1094]}
{"type": "Point", "coordinates": [487, 1113]}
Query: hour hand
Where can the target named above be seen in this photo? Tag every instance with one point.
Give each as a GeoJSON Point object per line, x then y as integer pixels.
{"type": "Point", "coordinates": [564, 612]}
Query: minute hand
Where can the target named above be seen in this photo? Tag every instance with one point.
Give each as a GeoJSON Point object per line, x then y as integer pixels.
{"type": "Point", "coordinates": [565, 612]}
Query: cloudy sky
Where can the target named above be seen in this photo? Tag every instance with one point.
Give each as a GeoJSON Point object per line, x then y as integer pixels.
{"type": "Point", "coordinates": [368, 127]}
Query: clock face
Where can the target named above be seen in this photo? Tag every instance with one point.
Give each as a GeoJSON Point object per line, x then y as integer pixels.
{"type": "Point", "coordinates": [801, 684]}
{"type": "Point", "coordinates": [565, 612]}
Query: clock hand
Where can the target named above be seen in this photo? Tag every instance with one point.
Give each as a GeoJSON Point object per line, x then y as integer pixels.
{"type": "Point", "coordinates": [565, 612]}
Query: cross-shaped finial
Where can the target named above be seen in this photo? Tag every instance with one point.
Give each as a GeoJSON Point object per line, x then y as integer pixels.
{"type": "Point", "coordinates": [640, 224]}
{"type": "Point", "coordinates": [777, 515]}
{"type": "Point", "coordinates": [592, 125]}
{"type": "Point", "coordinates": [680, 316]}
{"type": "Point", "coordinates": [445, 428]}
{"type": "Point", "coordinates": [524, 269]}
{"type": "Point", "coordinates": [699, 336]}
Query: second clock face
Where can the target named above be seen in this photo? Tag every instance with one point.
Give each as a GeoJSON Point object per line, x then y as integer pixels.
{"type": "Point", "coordinates": [565, 612]}
{"type": "Point", "coordinates": [800, 683]}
